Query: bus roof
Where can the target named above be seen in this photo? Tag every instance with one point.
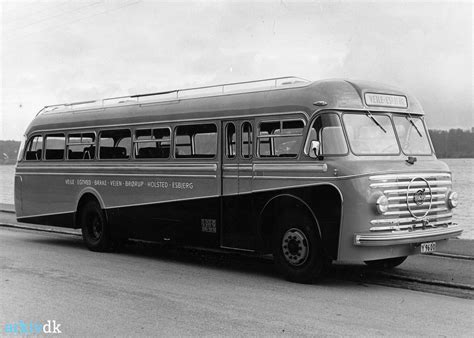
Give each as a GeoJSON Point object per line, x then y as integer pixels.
{"type": "Point", "coordinates": [287, 94]}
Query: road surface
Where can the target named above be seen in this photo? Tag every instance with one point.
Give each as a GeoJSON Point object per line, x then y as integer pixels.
{"type": "Point", "coordinates": [149, 291]}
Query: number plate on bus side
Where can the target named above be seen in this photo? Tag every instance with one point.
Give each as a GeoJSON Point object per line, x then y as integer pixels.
{"type": "Point", "coordinates": [428, 247]}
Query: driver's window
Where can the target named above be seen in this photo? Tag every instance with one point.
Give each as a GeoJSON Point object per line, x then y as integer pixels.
{"type": "Point", "coordinates": [327, 130]}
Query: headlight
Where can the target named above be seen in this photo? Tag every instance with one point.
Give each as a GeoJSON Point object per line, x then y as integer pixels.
{"type": "Point", "coordinates": [382, 204]}
{"type": "Point", "coordinates": [453, 199]}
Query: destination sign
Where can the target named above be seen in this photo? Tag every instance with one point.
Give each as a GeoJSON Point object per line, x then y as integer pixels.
{"type": "Point", "coordinates": [385, 100]}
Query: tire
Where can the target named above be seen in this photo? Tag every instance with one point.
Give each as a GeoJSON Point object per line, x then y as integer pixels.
{"type": "Point", "coordinates": [95, 229]}
{"type": "Point", "coordinates": [386, 264]}
{"type": "Point", "coordinates": [297, 250]}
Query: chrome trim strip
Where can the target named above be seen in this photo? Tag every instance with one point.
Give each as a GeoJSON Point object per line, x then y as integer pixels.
{"type": "Point", "coordinates": [174, 167]}
{"type": "Point", "coordinates": [267, 177]}
{"type": "Point", "coordinates": [416, 225]}
{"type": "Point", "coordinates": [407, 212]}
{"type": "Point", "coordinates": [405, 237]}
{"type": "Point", "coordinates": [119, 174]}
{"type": "Point", "coordinates": [414, 184]}
{"type": "Point", "coordinates": [398, 176]}
{"type": "Point", "coordinates": [403, 198]}
{"type": "Point", "coordinates": [404, 191]}
{"type": "Point", "coordinates": [408, 219]}
{"type": "Point", "coordinates": [322, 167]}
{"type": "Point", "coordinates": [404, 205]}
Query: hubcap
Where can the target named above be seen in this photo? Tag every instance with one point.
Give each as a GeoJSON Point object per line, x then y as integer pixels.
{"type": "Point", "coordinates": [295, 247]}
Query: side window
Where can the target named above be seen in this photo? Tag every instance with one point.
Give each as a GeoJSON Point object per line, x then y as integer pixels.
{"type": "Point", "coordinates": [115, 144]}
{"type": "Point", "coordinates": [327, 130]}
{"type": "Point", "coordinates": [34, 148]}
{"type": "Point", "coordinates": [280, 138]}
{"type": "Point", "coordinates": [81, 146]}
{"type": "Point", "coordinates": [54, 146]}
{"type": "Point", "coordinates": [247, 140]}
{"type": "Point", "coordinates": [152, 143]}
{"type": "Point", "coordinates": [230, 140]}
{"type": "Point", "coordinates": [196, 141]}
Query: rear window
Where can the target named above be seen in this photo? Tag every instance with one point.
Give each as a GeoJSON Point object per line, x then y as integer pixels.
{"type": "Point", "coordinates": [34, 148]}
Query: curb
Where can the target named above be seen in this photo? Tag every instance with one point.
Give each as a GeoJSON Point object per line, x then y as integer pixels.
{"type": "Point", "coordinates": [427, 281]}
{"type": "Point", "coordinates": [448, 255]}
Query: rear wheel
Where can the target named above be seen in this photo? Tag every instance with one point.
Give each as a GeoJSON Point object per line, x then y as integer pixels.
{"type": "Point", "coordinates": [297, 251]}
{"type": "Point", "coordinates": [95, 229]}
{"type": "Point", "coordinates": [385, 264]}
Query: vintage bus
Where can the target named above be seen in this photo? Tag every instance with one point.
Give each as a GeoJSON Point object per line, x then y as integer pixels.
{"type": "Point", "coordinates": [310, 172]}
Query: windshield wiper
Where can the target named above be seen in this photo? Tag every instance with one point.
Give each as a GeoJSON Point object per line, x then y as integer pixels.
{"type": "Point", "coordinates": [413, 124]}
{"type": "Point", "coordinates": [370, 116]}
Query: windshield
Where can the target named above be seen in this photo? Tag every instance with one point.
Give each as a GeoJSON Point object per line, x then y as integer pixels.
{"type": "Point", "coordinates": [412, 135]}
{"type": "Point", "coordinates": [371, 134]}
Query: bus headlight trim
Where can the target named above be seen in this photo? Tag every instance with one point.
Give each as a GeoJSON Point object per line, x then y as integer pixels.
{"type": "Point", "coordinates": [382, 204]}
{"type": "Point", "coordinates": [453, 199]}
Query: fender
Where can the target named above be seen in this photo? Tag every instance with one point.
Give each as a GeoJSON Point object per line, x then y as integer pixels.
{"type": "Point", "coordinates": [260, 218]}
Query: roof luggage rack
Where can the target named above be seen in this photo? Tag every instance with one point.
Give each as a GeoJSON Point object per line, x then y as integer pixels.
{"type": "Point", "coordinates": [177, 94]}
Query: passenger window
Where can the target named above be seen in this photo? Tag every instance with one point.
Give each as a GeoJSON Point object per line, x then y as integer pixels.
{"type": "Point", "coordinates": [196, 141]}
{"type": "Point", "coordinates": [230, 140]}
{"type": "Point", "coordinates": [327, 130]}
{"type": "Point", "coordinates": [115, 144]}
{"type": "Point", "coordinates": [34, 148]}
{"type": "Point", "coordinates": [247, 140]}
{"type": "Point", "coordinates": [280, 139]}
{"type": "Point", "coordinates": [152, 143]}
{"type": "Point", "coordinates": [54, 146]}
{"type": "Point", "coordinates": [81, 146]}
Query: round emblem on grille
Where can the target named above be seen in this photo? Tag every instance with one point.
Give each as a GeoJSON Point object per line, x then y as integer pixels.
{"type": "Point", "coordinates": [417, 202]}
{"type": "Point", "coordinates": [419, 197]}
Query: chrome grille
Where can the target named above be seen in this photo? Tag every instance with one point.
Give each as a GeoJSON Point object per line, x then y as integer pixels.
{"type": "Point", "coordinates": [406, 211]}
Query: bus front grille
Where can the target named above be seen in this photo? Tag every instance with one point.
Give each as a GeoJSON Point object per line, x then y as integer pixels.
{"type": "Point", "coordinates": [416, 201]}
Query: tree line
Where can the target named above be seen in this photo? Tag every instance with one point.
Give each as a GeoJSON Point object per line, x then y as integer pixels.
{"type": "Point", "coordinates": [453, 143]}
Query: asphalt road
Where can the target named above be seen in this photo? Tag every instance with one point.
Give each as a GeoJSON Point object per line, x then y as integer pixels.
{"type": "Point", "coordinates": [149, 291]}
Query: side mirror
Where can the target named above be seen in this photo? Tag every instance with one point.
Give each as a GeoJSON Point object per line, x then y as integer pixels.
{"type": "Point", "coordinates": [315, 149]}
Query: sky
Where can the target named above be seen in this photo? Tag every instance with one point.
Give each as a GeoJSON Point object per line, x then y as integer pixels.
{"type": "Point", "coordinates": [65, 51]}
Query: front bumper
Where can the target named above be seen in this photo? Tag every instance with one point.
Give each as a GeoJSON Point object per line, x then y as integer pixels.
{"type": "Point", "coordinates": [407, 236]}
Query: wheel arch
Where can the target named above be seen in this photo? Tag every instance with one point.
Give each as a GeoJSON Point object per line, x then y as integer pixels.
{"type": "Point", "coordinates": [87, 194]}
{"type": "Point", "coordinates": [290, 200]}
{"type": "Point", "coordinates": [322, 203]}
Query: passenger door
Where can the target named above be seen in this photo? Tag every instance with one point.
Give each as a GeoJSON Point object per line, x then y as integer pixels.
{"type": "Point", "coordinates": [238, 230]}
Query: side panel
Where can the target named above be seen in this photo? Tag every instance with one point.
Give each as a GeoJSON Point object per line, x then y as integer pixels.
{"type": "Point", "coordinates": [56, 189]}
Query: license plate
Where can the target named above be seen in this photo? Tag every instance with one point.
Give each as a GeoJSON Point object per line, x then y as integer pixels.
{"type": "Point", "coordinates": [428, 247]}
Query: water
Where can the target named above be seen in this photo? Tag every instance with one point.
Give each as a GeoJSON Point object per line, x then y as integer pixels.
{"type": "Point", "coordinates": [463, 183]}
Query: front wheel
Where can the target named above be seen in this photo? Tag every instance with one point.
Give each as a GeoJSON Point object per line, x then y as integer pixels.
{"type": "Point", "coordinates": [95, 229]}
{"type": "Point", "coordinates": [297, 251]}
{"type": "Point", "coordinates": [385, 264]}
